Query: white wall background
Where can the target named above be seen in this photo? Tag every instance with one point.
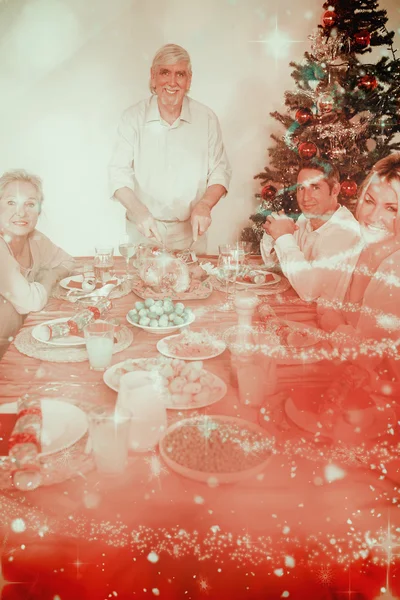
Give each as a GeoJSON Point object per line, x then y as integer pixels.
{"type": "Point", "coordinates": [69, 68]}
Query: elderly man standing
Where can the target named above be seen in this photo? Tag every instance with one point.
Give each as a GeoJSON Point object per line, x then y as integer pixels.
{"type": "Point", "coordinates": [318, 253]}
{"type": "Point", "coordinates": [169, 167]}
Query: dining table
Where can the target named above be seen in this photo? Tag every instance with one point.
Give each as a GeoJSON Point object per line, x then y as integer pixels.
{"type": "Point", "coordinates": [320, 521]}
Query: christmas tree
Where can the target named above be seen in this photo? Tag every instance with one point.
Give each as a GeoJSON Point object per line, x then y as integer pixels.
{"type": "Point", "coordinates": [345, 109]}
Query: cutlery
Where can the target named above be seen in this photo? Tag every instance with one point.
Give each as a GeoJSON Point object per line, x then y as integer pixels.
{"type": "Point", "coordinates": [101, 293]}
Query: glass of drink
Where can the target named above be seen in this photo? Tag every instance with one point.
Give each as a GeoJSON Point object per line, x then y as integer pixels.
{"type": "Point", "coordinates": [247, 248]}
{"type": "Point", "coordinates": [99, 338]}
{"type": "Point", "coordinates": [127, 249]}
{"type": "Point", "coordinates": [109, 433]}
{"type": "Point", "coordinates": [103, 263]}
{"type": "Point", "coordinates": [230, 260]}
{"type": "Point", "coordinates": [143, 394]}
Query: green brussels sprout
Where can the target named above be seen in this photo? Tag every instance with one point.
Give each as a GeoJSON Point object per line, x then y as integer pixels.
{"type": "Point", "coordinates": [179, 308]}
{"type": "Point", "coordinates": [163, 321]}
{"type": "Point", "coordinates": [144, 321]}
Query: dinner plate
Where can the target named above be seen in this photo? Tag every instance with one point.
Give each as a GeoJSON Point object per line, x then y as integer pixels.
{"type": "Point", "coordinates": [343, 431]}
{"type": "Point", "coordinates": [66, 281]}
{"type": "Point", "coordinates": [163, 346]}
{"type": "Point", "coordinates": [161, 330]}
{"type": "Point", "coordinates": [111, 379]}
{"type": "Point", "coordinates": [312, 350]}
{"type": "Point", "coordinates": [62, 342]}
{"type": "Point", "coordinates": [63, 424]}
{"type": "Point", "coordinates": [306, 353]}
{"type": "Point", "coordinates": [248, 285]}
{"type": "Point", "coordinates": [207, 424]}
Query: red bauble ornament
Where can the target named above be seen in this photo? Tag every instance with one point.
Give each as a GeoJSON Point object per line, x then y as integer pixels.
{"type": "Point", "coordinates": [268, 192]}
{"type": "Point", "coordinates": [362, 38]}
{"type": "Point", "coordinates": [367, 83]}
{"type": "Point", "coordinates": [307, 150]}
{"type": "Point", "coordinates": [304, 116]}
{"type": "Point", "coordinates": [349, 188]}
{"type": "Point", "coordinates": [329, 18]}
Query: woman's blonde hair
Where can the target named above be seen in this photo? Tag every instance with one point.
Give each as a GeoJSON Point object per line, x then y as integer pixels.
{"type": "Point", "coordinates": [21, 175]}
{"type": "Point", "coordinates": [170, 54]}
{"type": "Point", "coordinates": [386, 170]}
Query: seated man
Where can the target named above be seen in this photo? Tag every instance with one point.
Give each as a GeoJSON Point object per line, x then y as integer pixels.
{"type": "Point", "coordinates": [317, 254]}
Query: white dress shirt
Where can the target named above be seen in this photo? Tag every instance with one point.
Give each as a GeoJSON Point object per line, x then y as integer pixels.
{"type": "Point", "coordinates": [169, 167]}
{"type": "Point", "coordinates": [318, 263]}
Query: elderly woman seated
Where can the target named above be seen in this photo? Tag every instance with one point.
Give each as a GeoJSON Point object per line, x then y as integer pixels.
{"type": "Point", "coordinates": [30, 264]}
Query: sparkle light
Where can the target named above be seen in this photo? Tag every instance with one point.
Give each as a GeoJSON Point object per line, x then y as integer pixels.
{"type": "Point", "coordinates": [277, 42]}
{"type": "Point", "coordinates": [45, 34]}
{"type": "Point", "coordinates": [18, 525]}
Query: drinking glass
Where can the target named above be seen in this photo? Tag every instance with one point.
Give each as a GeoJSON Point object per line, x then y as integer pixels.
{"type": "Point", "coordinates": [143, 394]}
{"type": "Point", "coordinates": [103, 263]}
{"type": "Point", "coordinates": [230, 259]}
{"type": "Point", "coordinates": [109, 433]}
{"type": "Point", "coordinates": [247, 249]}
{"type": "Point", "coordinates": [99, 338]}
{"type": "Point", "coordinates": [127, 249]}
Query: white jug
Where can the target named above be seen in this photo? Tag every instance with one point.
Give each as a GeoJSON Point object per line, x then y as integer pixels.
{"type": "Point", "coordinates": [142, 393]}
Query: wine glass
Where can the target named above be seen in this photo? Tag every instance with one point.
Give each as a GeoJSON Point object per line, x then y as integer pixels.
{"type": "Point", "coordinates": [127, 249]}
{"type": "Point", "coordinates": [230, 259]}
{"type": "Point", "coordinates": [247, 248]}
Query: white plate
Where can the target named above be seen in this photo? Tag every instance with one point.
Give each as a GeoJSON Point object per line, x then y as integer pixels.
{"type": "Point", "coordinates": [62, 342]}
{"type": "Point", "coordinates": [243, 284]}
{"type": "Point", "coordinates": [309, 421]}
{"type": "Point", "coordinates": [65, 282]}
{"type": "Point", "coordinates": [311, 352]}
{"type": "Point", "coordinates": [163, 348]}
{"type": "Point", "coordinates": [231, 477]}
{"type": "Point", "coordinates": [161, 330]}
{"type": "Point", "coordinates": [111, 379]}
{"type": "Point", "coordinates": [63, 424]}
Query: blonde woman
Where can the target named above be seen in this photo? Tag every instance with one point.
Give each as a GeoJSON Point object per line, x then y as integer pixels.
{"type": "Point", "coordinates": [30, 263]}
{"type": "Point", "coordinates": [371, 306]}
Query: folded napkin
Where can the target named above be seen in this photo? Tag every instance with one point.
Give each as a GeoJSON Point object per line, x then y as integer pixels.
{"type": "Point", "coordinates": [24, 445]}
{"type": "Point", "coordinates": [78, 285]}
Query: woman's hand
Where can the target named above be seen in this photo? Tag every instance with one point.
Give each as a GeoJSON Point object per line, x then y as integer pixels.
{"type": "Point", "coordinates": [330, 320]}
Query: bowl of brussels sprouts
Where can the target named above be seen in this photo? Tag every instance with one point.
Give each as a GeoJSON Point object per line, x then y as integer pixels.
{"type": "Point", "coordinates": [160, 316]}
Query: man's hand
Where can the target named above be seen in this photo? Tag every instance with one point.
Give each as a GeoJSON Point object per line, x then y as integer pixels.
{"type": "Point", "coordinates": [200, 219]}
{"type": "Point", "coordinates": [278, 224]}
{"type": "Point", "coordinates": [145, 224]}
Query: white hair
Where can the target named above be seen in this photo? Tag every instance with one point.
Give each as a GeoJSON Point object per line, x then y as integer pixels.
{"type": "Point", "coordinates": [21, 175]}
{"type": "Point", "coordinates": [170, 54]}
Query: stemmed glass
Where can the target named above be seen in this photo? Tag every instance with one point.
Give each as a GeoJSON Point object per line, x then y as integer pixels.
{"type": "Point", "coordinates": [230, 259]}
{"type": "Point", "coordinates": [127, 249]}
{"type": "Point", "coordinates": [247, 248]}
